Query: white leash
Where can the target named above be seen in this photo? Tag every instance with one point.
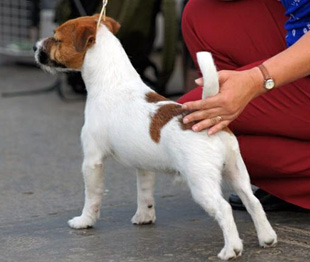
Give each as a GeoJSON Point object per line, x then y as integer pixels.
{"type": "Point", "coordinates": [102, 13]}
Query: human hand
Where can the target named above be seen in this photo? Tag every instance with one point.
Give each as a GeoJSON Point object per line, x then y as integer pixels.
{"type": "Point", "coordinates": [237, 89]}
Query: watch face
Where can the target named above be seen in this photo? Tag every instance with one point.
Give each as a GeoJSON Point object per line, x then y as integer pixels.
{"type": "Point", "coordinates": [269, 84]}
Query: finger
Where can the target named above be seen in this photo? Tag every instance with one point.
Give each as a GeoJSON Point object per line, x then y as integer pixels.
{"type": "Point", "coordinates": [209, 114]}
{"type": "Point", "coordinates": [203, 125]}
{"type": "Point", "coordinates": [218, 127]}
{"type": "Point", "coordinates": [207, 123]}
{"type": "Point", "coordinates": [202, 114]}
{"type": "Point", "coordinates": [210, 102]}
{"type": "Point", "coordinates": [199, 81]}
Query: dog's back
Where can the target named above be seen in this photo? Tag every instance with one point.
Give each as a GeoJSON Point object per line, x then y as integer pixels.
{"type": "Point", "coordinates": [145, 130]}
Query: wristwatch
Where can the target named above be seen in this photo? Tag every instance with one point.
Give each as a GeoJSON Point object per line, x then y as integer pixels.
{"type": "Point", "coordinates": [268, 81]}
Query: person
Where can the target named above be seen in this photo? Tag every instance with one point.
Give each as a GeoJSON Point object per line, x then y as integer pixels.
{"type": "Point", "coordinates": [262, 51]}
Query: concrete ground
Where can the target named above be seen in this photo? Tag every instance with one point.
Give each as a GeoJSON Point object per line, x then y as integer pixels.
{"type": "Point", "coordinates": [41, 187]}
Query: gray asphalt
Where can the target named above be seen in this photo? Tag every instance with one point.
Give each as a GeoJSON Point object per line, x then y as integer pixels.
{"type": "Point", "coordinates": [41, 187]}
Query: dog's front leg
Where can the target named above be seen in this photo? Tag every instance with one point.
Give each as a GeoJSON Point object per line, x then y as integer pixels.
{"type": "Point", "coordinates": [93, 174]}
{"type": "Point", "coordinates": [145, 213]}
{"type": "Point", "coordinates": [94, 186]}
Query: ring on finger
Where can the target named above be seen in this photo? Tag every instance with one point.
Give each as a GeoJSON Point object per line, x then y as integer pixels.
{"type": "Point", "coordinates": [216, 120]}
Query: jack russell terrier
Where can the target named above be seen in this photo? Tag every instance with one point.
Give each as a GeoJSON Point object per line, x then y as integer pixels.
{"type": "Point", "coordinates": [126, 119]}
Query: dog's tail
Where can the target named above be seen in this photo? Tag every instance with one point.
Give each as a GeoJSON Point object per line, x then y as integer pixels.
{"type": "Point", "coordinates": [207, 67]}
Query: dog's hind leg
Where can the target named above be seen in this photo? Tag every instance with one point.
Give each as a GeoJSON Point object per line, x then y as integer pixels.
{"type": "Point", "coordinates": [145, 213]}
{"type": "Point", "coordinates": [206, 191]}
{"type": "Point", "coordinates": [94, 185]}
{"type": "Point", "coordinates": [237, 176]}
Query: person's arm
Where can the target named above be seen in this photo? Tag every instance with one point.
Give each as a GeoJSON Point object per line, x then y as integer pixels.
{"type": "Point", "coordinates": [238, 88]}
{"type": "Point", "coordinates": [291, 64]}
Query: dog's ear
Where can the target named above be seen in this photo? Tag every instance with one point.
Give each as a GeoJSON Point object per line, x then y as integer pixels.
{"type": "Point", "coordinates": [110, 23]}
{"type": "Point", "coordinates": [84, 38]}
{"type": "Point", "coordinates": [113, 25]}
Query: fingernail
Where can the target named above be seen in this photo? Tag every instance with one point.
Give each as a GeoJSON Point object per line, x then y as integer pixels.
{"type": "Point", "coordinates": [195, 128]}
{"type": "Point", "coordinates": [210, 133]}
{"type": "Point", "coordinates": [197, 81]}
{"type": "Point", "coordinates": [184, 106]}
{"type": "Point", "coordinates": [185, 120]}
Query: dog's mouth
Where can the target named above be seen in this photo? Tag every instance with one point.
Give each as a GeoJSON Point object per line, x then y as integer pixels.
{"type": "Point", "coordinates": [43, 59]}
{"type": "Point", "coordinates": [47, 64]}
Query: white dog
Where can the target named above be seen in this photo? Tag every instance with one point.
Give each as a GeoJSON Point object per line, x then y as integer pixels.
{"type": "Point", "coordinates": [126, 119]}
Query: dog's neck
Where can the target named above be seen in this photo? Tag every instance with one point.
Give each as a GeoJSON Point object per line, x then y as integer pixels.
{"type": "Point", "coordinates": [106, 65]}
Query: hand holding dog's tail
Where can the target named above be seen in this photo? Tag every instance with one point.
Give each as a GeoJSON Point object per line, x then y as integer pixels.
{"type": "Point", "coordinates": [209, 74]}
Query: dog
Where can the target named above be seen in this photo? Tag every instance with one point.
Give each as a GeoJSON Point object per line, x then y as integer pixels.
{"type": "Point", "coordinates": [126, 119]}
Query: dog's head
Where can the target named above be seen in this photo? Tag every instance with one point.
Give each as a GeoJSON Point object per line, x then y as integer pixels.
{"type": "Point", "coordinates": [66, 49]}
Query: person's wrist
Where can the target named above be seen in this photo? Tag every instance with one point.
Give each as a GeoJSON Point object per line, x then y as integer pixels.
{"type": "Point", "coordinates": [257, 81]}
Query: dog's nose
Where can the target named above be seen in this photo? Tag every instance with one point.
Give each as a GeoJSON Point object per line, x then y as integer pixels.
{"type": "Point", "coordinates": [34, 48]}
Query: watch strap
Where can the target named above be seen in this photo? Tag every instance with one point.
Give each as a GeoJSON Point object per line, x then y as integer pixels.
{"type": "Point", "coordinates": [268, 81]}
{"type": "Point", "coordinates": [264, 71]}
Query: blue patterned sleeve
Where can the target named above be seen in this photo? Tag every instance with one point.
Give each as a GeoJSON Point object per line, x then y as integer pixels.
{"type": "Point", "coordinates": [298, 23]}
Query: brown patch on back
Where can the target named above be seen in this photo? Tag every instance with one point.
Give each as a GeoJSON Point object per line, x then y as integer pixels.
{"type": "Point", "coordinates": [164, 114]}
{"type": "Point", "coordinates": [153, 97]}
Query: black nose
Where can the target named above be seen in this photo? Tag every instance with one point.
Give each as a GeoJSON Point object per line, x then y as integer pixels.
{"type": "Point", "coordinates": [34, 48]}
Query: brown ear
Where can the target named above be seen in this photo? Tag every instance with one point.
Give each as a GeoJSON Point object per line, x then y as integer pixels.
{"type": "Point", "coordinates": [113, 25]}
{"type": "Point", "coordinates": [84, 38]}
{"type": "Point", "coordinates": [110, 23]}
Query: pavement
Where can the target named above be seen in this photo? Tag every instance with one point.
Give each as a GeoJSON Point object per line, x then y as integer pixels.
{"type": "Point", "coordinates": [41, 187]}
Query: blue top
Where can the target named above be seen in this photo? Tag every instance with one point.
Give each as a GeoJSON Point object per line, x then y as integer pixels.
{"type": "Point", "coordinates": [298, 23]}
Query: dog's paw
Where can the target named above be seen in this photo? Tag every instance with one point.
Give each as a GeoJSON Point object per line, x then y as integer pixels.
{"type": "Point", "coordinates": [232, 251]}
{"type": "Point", "coordinates": [144, 218]}
{"type": "Point", "coordinates": [81, 222]}
{"type": "Point", "coordinates": [268, 239]}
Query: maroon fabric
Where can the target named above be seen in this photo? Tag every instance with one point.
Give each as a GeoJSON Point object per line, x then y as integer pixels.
{"type": "Point", "coordinates": [274, 129]}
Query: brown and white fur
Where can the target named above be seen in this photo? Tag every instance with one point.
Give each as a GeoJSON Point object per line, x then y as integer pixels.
{"type": "Point", "coordinates": [126, 119]}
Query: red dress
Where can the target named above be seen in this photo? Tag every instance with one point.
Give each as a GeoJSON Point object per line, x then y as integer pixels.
{"type": "Point", "coordinates": [274, 129]}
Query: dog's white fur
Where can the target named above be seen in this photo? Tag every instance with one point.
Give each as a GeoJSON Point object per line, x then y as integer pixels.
{"type": "Point", "coordinates": [117, 123]}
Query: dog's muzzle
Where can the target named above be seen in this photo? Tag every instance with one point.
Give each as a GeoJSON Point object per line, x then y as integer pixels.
{"type": "Point", "coordinates": [43, 59]}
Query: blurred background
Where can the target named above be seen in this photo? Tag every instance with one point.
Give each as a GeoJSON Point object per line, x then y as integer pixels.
{"type": "Point", "coordinates": [150, 34]}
